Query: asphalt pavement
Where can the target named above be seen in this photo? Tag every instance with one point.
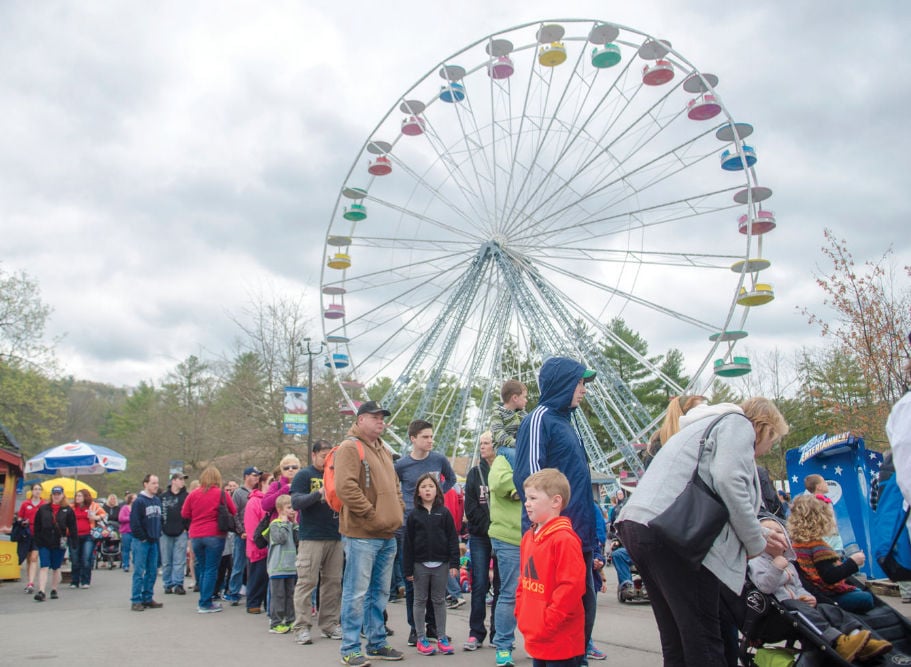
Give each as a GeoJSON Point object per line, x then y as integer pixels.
{"type": "Point", "coordinates": [95, 626]}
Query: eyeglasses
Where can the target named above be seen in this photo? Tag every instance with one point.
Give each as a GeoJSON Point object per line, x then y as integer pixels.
{"type": "Point", "coordinates": [290, 467]}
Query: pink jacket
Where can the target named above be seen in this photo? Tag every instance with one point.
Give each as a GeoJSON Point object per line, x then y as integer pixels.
{"type": "Point", "coordinates": [253, 514]}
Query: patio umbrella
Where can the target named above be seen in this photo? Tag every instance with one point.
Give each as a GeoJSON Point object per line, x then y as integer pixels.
{"type": "Point", "coordinates": [69, 484]}
{"type": "Point", "coordinates": [76, 458]}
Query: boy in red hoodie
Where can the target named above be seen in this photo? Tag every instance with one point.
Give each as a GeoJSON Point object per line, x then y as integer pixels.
{"type": "Point", "coordinates": [552, 581]}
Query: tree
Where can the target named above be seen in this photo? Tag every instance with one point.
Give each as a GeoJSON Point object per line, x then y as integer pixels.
{"type": "Point", "coordinates": [23, 317]}
{"type": "Point", "coordinates": [32, 408]}
{"type": "Point", "coordinates": [873, 318]}
{"type": "Point", "coordinates": [274, 330]}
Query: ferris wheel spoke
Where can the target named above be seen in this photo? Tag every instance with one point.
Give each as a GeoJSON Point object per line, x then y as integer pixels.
{"type": "Point", "coordinates": [597, 152]}
{"type": "Point", "coordinates": [651, 305]}
{"type": "Point", "coordinates": [599, 186]}
{"type": "Point", "coordinates": [354, 281]}
{"type": "Point", "coordinates": [465, 215]}
{"type": "Point", "coordinates": [544, 133]}
{"type": "Point", "coordinates": [633, 219]}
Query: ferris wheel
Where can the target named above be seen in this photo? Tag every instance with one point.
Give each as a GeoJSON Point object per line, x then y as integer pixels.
{"type": "Point", "coordinates": [521, 194]}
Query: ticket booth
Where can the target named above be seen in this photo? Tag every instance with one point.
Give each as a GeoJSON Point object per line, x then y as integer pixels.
{"type": "Point", "coordinates": [848, 468]}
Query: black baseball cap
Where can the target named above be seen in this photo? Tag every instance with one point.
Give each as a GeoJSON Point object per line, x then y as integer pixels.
{"type": "Point", "coordinates": [372, 408]}
{"type": "Point", "coordinates": [57, 489]}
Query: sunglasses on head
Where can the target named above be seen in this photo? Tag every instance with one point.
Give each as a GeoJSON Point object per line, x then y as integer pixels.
{"type": "Point", "coordinates": [291, 467]}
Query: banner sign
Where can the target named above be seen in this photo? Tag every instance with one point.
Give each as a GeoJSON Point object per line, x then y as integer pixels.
{"type": "Point", "coordinates": [296, 421]}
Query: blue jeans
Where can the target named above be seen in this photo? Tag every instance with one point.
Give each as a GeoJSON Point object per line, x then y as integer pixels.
{"type": "Point", "coordinates": [508, 566]}
{"type": "Point", "coordinates": [238, 568]}
{"type": "Point", "coordinates": [173, 559]}
{"type": "Point", "coordinates": [622, 563]}
{"type": "Point", "coordinates": [82, 552]}
{"type": "Point", "coordinates": [858, 602]}
{"type": "Point", "coordinates": [207, 551]}
{"type": "Point", "coordinates": [481, 551]}
{"type": "Point", "coordinates": [145, 570]}
{"type": "Point", "coordinates": [126, 545]}
{"type": "Point", "coordinates": [365, 591]}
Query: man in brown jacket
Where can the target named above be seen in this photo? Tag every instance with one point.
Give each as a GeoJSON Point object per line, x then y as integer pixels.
{"type": "Point", "coordinates": [372, 510]}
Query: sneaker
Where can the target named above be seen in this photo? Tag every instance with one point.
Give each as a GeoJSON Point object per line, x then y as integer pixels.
{"type": "Point", "coordinates": [54, 595]}
{"type": "Point", "coordinates": [40, 596]}
{"type": "Point", "coordinates": [424, 647]}
{"type": "Point", "coordinates": [126, 569]}
{"type": "Point", "coordinates": [84, 586]}
{"type": "Point", "coordinates": [151, 604]}
{"type": "Point", "coordinates": [594, 654]}
{"type": "Point", "coordinates": [385, 653]}
{"type": "Point", "coordinates": [504, 659]}
{"type": "Point", "coordinates": [334, 633]}
{"type": "Point", "coordinates": [280, 629]}
{"type": "Point", "coordinates": [355, 659]}
{"type": "Point", "coordinates": [137, 606]}
{"type": "Point", "coordinates": [168, 590]}
{"type": "Point", "coordinates": [30, 588]}
{"type": "Point", "coordinates": [444, 646]}
{"type": "Point", "coordinates": [906, 600]}
{"type": "Point", "coordinates": [215, 608]}
{"type": "Point", "coordinates": [472, 644]}
{"type": "Point", "coordinates": [455, 603]}
{"type": "Point", "coordinates": [303, 637]}
{"type": "Point", "coordinates": [74, 585]}
{"type": "Point", "coordinates": [848, 646]}
{"type": "Point", "coordinates": [412, 638]}
{"type": "Point", "coordinates": [178, 590]}
{"type": "Point", "coordinates": [873, 649]}
{"type": "Point", "coordinates": [254, 610]}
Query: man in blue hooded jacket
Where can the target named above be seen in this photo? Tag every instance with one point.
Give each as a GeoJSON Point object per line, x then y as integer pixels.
{"type": "Point", "coordinates": [547, 439]}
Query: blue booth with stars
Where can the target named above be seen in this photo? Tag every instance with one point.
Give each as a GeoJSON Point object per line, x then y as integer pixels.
{"type": "Point", "coordinates": [848, 468]}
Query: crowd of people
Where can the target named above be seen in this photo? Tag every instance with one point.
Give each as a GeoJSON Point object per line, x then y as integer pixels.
{"type": "Point", "coordinates": [532, 548]}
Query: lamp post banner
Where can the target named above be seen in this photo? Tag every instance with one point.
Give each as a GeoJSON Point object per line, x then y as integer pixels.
{"type": "Point", "coordinates": [297, 419]}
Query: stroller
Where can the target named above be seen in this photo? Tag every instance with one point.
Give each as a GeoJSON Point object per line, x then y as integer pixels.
{"type": "Point", "coordinates": [628, 594]}
{"type": "Point", "coordinates": [762, 620]}
{"type": "Point", "coordinates": [107, 545]}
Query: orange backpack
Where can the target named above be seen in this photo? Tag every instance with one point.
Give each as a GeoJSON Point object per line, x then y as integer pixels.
{"type": "Point", "coordinates": [332, 498]}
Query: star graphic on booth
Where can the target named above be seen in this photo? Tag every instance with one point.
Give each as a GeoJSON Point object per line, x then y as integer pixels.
{"type": "Point", "coordinates": [793, 479]}
{"type": "Point", "coordinates": [837, 470]}
{"type": "Point", "coordinates": [872, 455]}
{"type": "Point", "coordinates": [824, 466]}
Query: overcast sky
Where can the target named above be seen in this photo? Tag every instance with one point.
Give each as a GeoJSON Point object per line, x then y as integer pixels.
{"type": "Point", "coordinates": [161, 162]}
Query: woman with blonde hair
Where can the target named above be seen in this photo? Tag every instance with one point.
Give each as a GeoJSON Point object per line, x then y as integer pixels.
{"type": "Point", "coordinates": [677, 408]}
{"type": "Point", "coordinates": [201, 508]}
{"type": "Point", "coordinates": [686, 602]}
{"type": "Point", "coordinates": [809, 522]}
{"type": "Point", "coordinates": [288, 467]}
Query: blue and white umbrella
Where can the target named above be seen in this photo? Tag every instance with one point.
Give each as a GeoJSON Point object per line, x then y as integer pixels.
{"type": "Point", "coordinates": [76, 458]}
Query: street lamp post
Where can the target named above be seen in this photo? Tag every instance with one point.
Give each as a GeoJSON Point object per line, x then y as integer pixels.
{"type": "Point", "coordinates": [310, 354]}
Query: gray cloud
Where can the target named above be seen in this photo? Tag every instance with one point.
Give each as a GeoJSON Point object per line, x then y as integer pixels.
{"type": "Point", "coordinates": [157, 164]}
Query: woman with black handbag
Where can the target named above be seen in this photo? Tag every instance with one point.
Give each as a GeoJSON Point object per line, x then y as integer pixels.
{"type": "Point", "coordinates": [706, 470]}
{"type": "Point", "coordinates": [209, 510]}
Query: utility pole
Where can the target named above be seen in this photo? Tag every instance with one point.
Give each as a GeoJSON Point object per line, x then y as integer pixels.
{"type": "Point", "coordinates": [310, 354]}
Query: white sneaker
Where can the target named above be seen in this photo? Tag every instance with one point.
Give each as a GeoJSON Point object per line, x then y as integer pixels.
{"type": "Point", "coordinates": [336, 633]}
{"type": "Point", "coordinates": [303, 637]}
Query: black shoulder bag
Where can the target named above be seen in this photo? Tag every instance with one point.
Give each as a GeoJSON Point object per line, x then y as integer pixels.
{"type": "Point", "coordinates": [225, 520]}
{"type": "Point", "coordinates": [693, 521]}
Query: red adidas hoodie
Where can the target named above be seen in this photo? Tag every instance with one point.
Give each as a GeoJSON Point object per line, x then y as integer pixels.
{"type": "Point", "coordinates": [550, 590]}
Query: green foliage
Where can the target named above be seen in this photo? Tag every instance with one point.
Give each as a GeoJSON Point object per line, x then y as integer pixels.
{"type": "Point", "coordinates": [32, 408]}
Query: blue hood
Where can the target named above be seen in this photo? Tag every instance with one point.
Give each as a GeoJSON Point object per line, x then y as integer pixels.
{"type": "Point", "coordinates": [557, 381]}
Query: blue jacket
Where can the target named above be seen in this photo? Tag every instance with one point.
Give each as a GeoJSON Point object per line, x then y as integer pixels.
{"type": "Point", "coordinates": [547, 439]}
